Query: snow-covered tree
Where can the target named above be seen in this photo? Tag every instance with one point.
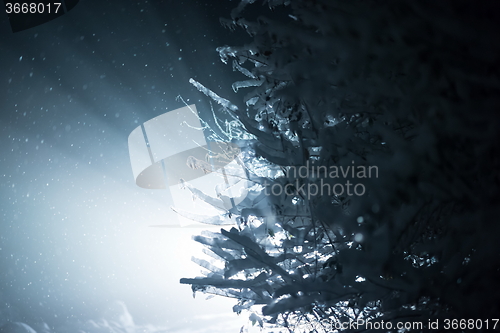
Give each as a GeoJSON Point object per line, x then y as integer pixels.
{"type": "Point", "coordinates": [410, 88]}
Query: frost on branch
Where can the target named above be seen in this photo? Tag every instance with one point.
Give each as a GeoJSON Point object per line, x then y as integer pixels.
{"type": "Point", "coordinates": [410, 87]}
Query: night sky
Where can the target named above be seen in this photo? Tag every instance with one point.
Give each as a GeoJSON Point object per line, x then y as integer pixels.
{"type": "Point", "coordinates": [74, 228]}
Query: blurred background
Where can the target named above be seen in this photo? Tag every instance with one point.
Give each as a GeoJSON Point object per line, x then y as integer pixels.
{"type": "Point", "coordinates": [75, 241]}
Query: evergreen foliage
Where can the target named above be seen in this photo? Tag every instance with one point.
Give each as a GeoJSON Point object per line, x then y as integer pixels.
{"type": "Point", "coordinates": [411, 87]}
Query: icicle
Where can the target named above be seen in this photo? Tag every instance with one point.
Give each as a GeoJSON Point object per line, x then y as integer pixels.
{"type": "Point", "coordinates": [245, 84]}
{"type": "Point", "coordinates": [243, 70]}
{"type": "Point", "coordinates": [222, 101]}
